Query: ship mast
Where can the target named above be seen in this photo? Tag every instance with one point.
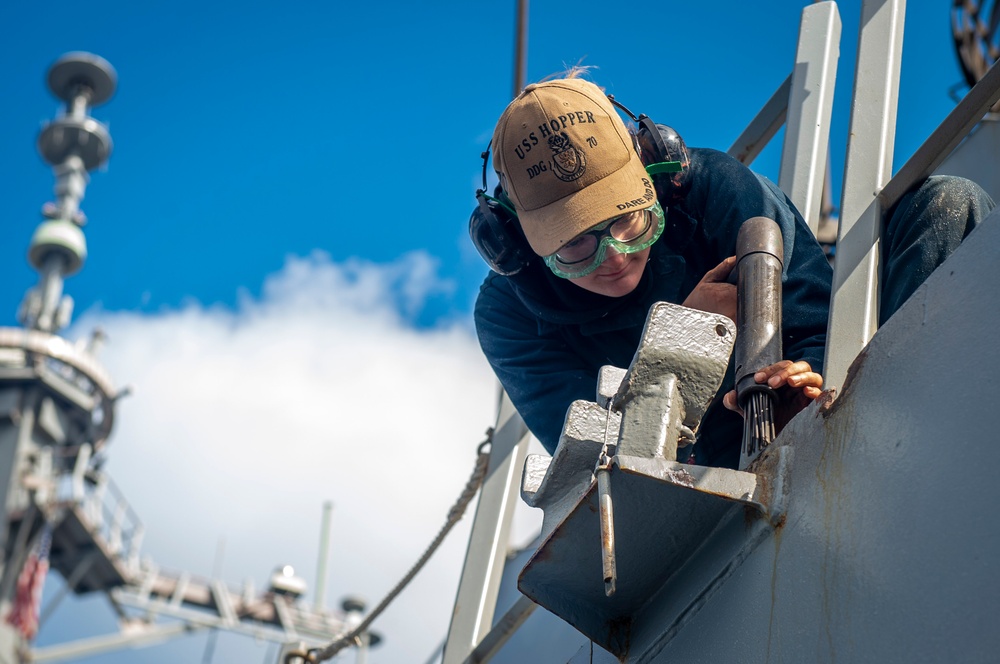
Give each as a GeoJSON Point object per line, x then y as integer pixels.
{"type": "Point", "coordinates": [57, 407]}
{"type": "Point", "coordinates": [56, 401]}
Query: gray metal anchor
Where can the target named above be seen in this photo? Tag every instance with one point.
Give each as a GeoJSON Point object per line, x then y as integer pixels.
{"type": "Point", "coordinates": [639, 419]}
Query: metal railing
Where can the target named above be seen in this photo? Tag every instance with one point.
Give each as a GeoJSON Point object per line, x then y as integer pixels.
{"type": "Point", "coordinates": [868, 189]}
{"type": "Point", "coordinates": [479, 585]}
{"type": "Point", "coordinates": [111, 518]}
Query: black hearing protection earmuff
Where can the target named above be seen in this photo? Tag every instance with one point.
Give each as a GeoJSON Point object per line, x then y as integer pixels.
{"type": "Point", "coordinates": [496, 231]}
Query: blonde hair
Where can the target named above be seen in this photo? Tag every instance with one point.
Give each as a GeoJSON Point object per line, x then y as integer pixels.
{"type": "Point", "coordinates": [574, 71]}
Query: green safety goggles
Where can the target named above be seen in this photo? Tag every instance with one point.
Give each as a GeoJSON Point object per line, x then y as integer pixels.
{"type": "Point", "coordinates": [626, 234]}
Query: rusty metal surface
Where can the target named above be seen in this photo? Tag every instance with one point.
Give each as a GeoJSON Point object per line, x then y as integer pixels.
{"type": "Point", "coordinates": [564, 574]}
{"type": "Point", "coordinates": [880, 537]}
{"type": "Point", "coordinates": [607, 521]}
{"type": "Point", "coordinates": [681, 360]}
{"type": "Point", "coordinates": [722, 482]}
{"type": "Point", "coordinates": [885, 553]}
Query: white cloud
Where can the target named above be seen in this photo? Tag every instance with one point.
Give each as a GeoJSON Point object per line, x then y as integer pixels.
{"type": "Point", "coordinates": [244, 422]}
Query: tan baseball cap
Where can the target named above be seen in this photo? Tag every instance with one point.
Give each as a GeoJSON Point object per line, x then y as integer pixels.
{"type": "Point", "coordinates": [567, 162]}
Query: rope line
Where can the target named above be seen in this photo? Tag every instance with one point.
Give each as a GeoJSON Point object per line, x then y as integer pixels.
{"type": "Point", "coordinates": [454, 515]}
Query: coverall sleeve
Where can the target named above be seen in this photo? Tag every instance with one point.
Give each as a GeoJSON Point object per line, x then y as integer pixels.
{"type": "Point", "coordinates": [541, 374]}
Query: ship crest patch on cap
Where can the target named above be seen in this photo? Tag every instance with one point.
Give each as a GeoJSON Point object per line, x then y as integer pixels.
{"type": "Point", "coordinates": [568, 162]}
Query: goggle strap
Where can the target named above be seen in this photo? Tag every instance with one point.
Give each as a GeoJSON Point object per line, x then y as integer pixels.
{"type": "Point", "coordinates": [664, 167]}
{"type": "Point", "coordinates": [500, 203]}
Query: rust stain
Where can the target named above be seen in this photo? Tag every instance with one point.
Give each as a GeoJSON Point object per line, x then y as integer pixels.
{"type": "Point", "coordinates": [771, 625]}
{"type": "Point", "coordinates": [544, 552]}
{"type": "Point", "coordinates": [837, 504]}
{"type": "Point", "coordinates": [620, 636]}
{"type": "Point", "coordinates": [852, 371]}
{"type": "Point", "coordinates": [855, 368]}
{"type": "Point", "coordinates": [764, 473]}
{"type": "Point", "coordinates": [826, 400]}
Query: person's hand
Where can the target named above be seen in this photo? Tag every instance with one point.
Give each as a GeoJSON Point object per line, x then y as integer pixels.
{"type": "Point", "coordinates": [795, 385]}
{"type": "Point", "coordinates": [713, 293]}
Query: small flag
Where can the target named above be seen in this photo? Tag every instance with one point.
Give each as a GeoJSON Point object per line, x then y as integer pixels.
{"type": "Point", "coordinates": [28, 597]}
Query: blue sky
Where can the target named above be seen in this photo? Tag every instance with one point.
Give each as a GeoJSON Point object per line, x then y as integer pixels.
{"type": "Point", "coordinates": [247, 132]}
{"type": "Point", "coordinates": [299, 176]}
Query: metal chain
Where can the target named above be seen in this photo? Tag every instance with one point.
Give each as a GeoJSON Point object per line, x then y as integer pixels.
{"type": "Point", "coordinates": [454, 515]}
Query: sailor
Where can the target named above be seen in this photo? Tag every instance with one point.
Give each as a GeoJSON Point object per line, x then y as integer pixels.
{"type": "Point", "coordinates": [593, 221]}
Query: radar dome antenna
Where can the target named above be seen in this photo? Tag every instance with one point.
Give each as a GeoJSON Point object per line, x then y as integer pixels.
{"type": "Point", "coordinates": [73, 144]}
